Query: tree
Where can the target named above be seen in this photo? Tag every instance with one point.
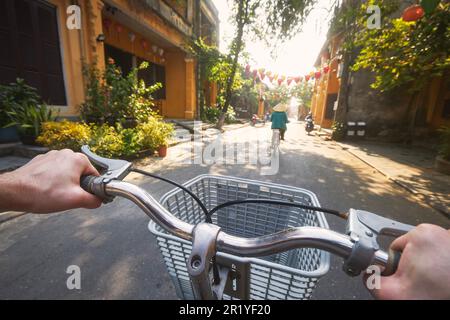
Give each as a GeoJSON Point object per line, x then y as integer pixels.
{"type": "Point", "coordinates": [265, 19]}
{"type": "Point", "coordinates": [407, 54]}
{"type": "Point", "coordinates": [303, 92]}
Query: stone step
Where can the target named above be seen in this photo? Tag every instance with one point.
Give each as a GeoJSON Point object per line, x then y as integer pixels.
{"type": "Point", "coordinates": [10, 163]}
{"type": "Point", "coordinates": [8, 148]}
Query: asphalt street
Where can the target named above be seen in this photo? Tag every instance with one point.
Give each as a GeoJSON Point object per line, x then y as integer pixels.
{"type": "Point", "coordinates": [118, 256]}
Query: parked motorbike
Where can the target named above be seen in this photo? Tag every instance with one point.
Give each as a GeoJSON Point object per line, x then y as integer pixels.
{"type": "Point", "coordinates": [309, 125]}
{"type": "Point", "coordinates": [254, 120]}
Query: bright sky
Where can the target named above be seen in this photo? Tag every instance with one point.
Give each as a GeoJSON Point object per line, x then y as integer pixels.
{"type": "Point", "coordinates": [295, 57]}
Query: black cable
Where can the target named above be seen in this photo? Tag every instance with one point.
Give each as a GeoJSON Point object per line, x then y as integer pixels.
{"type": "Point", "coordinates": [277, 202]}
{"type": "Point", "coordinates": [199, 202]}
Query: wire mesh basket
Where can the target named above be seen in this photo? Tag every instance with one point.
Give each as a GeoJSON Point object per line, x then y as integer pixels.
{"type": "Point", "coordinates": [289, 275]}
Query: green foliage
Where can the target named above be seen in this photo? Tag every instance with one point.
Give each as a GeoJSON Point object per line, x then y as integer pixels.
{"type": "Point", "coordinates": [406, 53]}
{"type": "Point", "coordinates": [65, 135]}
{"type": "Point", "coordinates": [16, 95]}
{"type": "Point", "coordinates": [106, 140]}
{"type": "Point", "coordinates": [212, 114]}
{"type": "Point", "coordinates": [246, 98]}
{"type": "Point", "coordinates": [29, 118]}
{"type": "Point", "coordinates": [113, 97]}
{"type": "Point", "coordinates": [339, 131]}
{"type": "Point", "coordinates": [21, 107]}
{"type": "Point", "coordinates": [444, 146]}
{"type": "Point", "coordinates": [215, 67]}
{"type": "Point", "coordinates": [303, 92]}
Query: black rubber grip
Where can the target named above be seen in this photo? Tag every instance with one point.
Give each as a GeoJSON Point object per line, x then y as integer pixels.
{"type": "Point", "coordinates": [86, 183]}
{"type": "Point", "coordinates": [392, 263]}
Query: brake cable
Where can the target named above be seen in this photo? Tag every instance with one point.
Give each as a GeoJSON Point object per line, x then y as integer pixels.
{"type": "Point", "coordinates": [209, 213]}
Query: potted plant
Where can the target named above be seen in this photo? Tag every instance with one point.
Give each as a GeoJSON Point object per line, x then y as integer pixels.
{"type": "Point", "coordinates": [28, 120]}
{"type": "Point", "coordinates": [442, 163]}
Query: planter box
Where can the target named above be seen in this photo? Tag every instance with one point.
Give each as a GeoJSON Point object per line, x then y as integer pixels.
{"type": "Point", "coordinates": [441, 165]}
{"type": "Point", "coordinates": [8, 135]}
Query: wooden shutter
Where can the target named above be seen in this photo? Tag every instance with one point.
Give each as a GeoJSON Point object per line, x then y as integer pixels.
{"type": "Point", "coordinates": [29, 29]}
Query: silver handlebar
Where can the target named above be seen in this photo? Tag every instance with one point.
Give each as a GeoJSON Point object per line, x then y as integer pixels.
{"type": "Point", "coordinates": [311, 237]}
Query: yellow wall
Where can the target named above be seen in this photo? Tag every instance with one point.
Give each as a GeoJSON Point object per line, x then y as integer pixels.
{"type": "Point", "coordinates": [81, 46]}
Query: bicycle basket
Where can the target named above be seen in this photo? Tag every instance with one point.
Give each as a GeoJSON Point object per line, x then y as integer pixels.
{"type": "Point", "coordinates": [288, 275]}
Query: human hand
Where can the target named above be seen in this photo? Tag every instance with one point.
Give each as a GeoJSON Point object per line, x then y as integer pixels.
{"type": "Point", "coordinates": [48, 183]}
{"type": "Point", "coordinates": [424, 268]}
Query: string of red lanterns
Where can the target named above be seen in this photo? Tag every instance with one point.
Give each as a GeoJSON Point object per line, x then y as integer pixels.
{"type": "Point", "coordinates": [262, 74]}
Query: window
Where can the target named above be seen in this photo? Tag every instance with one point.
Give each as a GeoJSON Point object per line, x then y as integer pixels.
{"type": "Point", "coordinates": [31, 50]}
{"type": "Point", "coordinates": [153, 74]}
{"type": "Point", "coordinates": [122, 59]}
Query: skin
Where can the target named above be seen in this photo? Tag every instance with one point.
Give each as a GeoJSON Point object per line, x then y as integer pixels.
{"type": "Point", "coordinates": [51, 183]}
{"type": "Point", "coordinates": [48, 183]}
{"type": "Point", "coordinates": [424, 268]}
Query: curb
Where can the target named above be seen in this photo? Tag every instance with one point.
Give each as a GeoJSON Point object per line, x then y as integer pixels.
{"type": "Point", "coordinates": [411, 190]}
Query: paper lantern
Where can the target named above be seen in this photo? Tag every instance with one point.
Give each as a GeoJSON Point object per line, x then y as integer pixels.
{"type": "Point", "coordinates": [297, 79]}
{"type": "Point", "coordinates": [317, 75]}
{"type": "Point", "coordinates": [271, 78]}
{"type": "Point", "coordinates": [280, 81]}
{"type": "Point", "coordinates": [107, 24]}
{"type": "Point", "coordinates": [307, 77]}
{"type": "Point", "coordinates": [262, 75]}
{"type": "Point", "coordinates": [275, 76]}
{"type": "Point", "coordinates": [255, 73]}
{"type": "Point", "coordinates": [289, 80]}
{"type": "Point", "coordinates": [268, 73]}
{"type": "Point", "coordinates": [247, 69]}
{"type": "Point", "coordinates": [144, 43]}
{"type": "Point", "coordinates": [326, 69]}
{"type": "Point", "coordinates": [119, 28]}
{"type": "Point", "coordinates": [413, 13]}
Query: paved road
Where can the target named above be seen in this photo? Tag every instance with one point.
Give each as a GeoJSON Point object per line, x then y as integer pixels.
{"type": "Point", "coordinates": [119, 258]}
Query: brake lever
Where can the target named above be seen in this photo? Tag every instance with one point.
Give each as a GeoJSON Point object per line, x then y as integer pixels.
{"type": "Point", "coordinates": [114, 169]}
{"type": "Point", "coordinates": [363, 227]}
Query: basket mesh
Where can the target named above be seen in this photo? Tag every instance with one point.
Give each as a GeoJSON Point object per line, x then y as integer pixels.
{"type": "Point", "coordinates": [282, 276]}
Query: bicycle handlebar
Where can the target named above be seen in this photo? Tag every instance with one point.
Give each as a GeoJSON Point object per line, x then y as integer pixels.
{"type": "Point", "coordinates": [300, 237]}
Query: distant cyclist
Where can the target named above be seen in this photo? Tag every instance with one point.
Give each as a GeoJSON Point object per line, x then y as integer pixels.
{"type": "Point", "coordinates": [279, 119]}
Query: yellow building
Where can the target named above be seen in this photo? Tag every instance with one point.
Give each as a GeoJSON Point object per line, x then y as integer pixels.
{"type": "Point", "coordinates": [379, 111]}
{"type": "Point", "coordinates": [44, 48]}
{"type": "Point", "coordinates": [326, 88]}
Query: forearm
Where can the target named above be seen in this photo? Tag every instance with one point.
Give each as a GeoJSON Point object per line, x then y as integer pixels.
{"type": "Point", "coordinates": [13, 193]}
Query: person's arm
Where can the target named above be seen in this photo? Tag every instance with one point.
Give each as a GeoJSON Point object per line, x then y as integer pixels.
{"type": "Point", "coordinates": [424, 268]}
{"type": "Point", "coordinates": [48, 183]}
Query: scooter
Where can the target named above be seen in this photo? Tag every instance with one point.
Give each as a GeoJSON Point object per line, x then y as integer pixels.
{"type": "Point", "coordinates": [309, 125]}
{"type": "Point", "coordinates": [254, 120]}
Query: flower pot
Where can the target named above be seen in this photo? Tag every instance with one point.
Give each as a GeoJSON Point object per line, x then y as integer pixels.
{"type": "Point", "coordinates": [8, 135]}
{"type": "Point", "coordinates": [442, 165]}
{"type": "Point", "coordinates": [162, 151]}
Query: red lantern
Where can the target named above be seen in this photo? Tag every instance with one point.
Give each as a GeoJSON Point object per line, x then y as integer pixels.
{"type": "Point", "coordinates": [271, 78]}
{"type": "Point", "coordinates": [262, 75]}
{"type": "Point", "coordinates": [106, 24]}
{"type": "Point", "coordinates": [317, 75]}
{"type": "Point", "coordinates": [280, 81]}
{"type": "Point", "coordinates": [255, 73]}
{"type": "Point", "coordinates": [307, 77]}
{"type": "Point", "coordinates": [247, 69]}
{"type": "Point", "coordinates": [144, 44]}
{"type": "Point", "coordinates": [326, 69]}
{"type": "Point", "coordinates": [289, 80]}
{"type": "Point", "coordinates": [413, 13]}
{"type": "Point", "coordinates": [119, 28]}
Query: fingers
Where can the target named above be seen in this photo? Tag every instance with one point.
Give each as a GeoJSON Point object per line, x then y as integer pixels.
{"type": "Point", "coordinates": [400, 243]}
{"type": "Point", "coordinates": [86, 167]}
{"type": "Point", "coordinates": [83, 199]}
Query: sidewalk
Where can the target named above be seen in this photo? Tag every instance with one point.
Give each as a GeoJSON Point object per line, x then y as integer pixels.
{"type": "Point", "coordinates": [410, 168]}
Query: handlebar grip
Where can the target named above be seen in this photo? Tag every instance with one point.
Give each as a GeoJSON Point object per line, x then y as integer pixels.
{"type": "Point", "coordinates": [86, 183]}
{"type": "Point", "coordinates": [392, 263]}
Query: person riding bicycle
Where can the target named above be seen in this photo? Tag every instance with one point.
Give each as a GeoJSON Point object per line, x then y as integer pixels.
{"type": "Point", "coordinates": [51, 183]}
{"type": "Point", "coordinates": [279, 119]}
